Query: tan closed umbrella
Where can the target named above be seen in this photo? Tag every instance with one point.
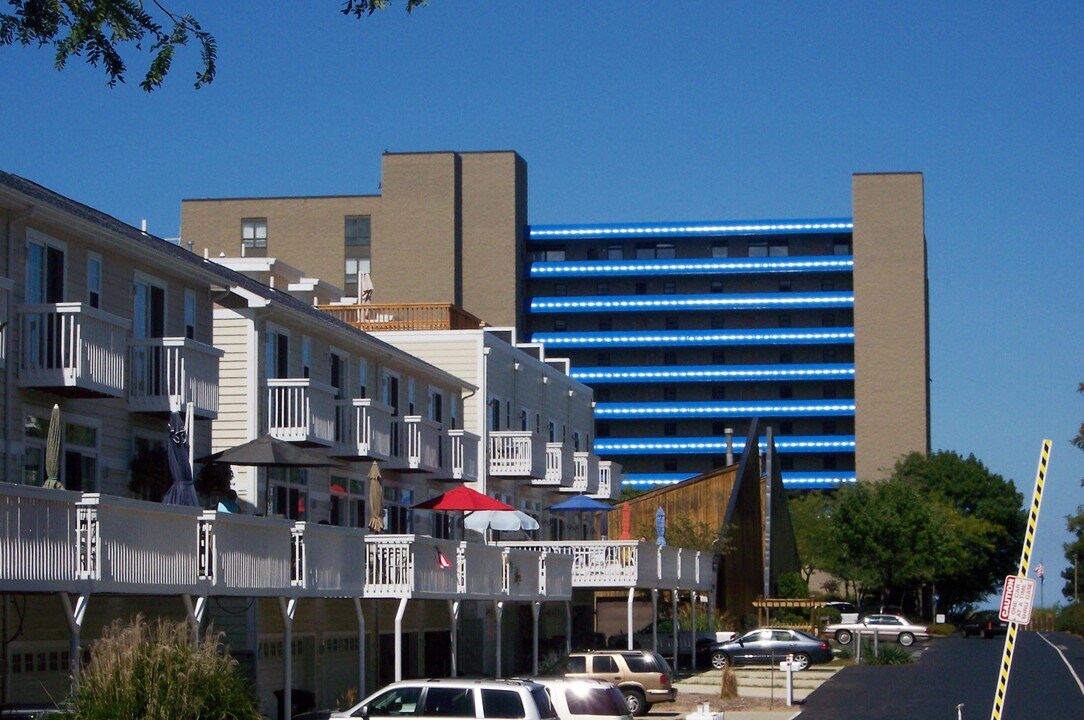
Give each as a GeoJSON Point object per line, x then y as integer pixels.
{"type": "Point", "coordinates": [52, 451]}
{"type": "Point", "coordinates": [376, 499]}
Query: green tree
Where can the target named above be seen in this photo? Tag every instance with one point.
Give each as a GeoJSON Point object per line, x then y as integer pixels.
{"type": "Point", "coordinates": [811, 516]}
{"type": "Point", "coordinates": [1074, 551]}
{"type": "Point", "coordinates": [985, 535]}
{"type": "Point", "coordinates": [101, 30]}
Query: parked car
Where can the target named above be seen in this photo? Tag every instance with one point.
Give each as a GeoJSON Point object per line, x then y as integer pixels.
{"type": "Point", "coordinates": [586, 699]}
{"type": "Point", "coordinates": [664, 631]}
{"type": "Point", "coordinates": [890, 627]}
{"type": "Point", "coordinates": [31, 711]}
{"type": "Point", "coordinates": [644, 677]}
{"type": "Point", "coordinates": [768, 646]}
{"type": "Point", "coordinates": [986, 623]}
{"type": "Point", "coordinates": [848, 611]}
{"type": "Point", "coordinates": [450, 698]}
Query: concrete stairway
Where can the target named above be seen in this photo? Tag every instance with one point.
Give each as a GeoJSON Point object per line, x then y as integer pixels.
{"type": "Point", "coordinates": [760, 681]}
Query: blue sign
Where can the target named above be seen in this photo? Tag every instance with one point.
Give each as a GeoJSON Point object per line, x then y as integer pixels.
{"type": "Point", "coordinates": [660, 527]}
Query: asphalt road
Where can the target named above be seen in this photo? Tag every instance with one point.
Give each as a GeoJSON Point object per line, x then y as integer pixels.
{"type": "Point", "coordinates": [953, 670]}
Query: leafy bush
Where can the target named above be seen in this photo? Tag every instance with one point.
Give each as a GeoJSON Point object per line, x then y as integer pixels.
{"type": "Point", "coordinates": [156, 673]}
{"type": "Point", "coordinates": [942, 629]}
{"type": "Point", "coordinates": [553, 663]}
{"type": "Point", "coordinates": [887, 654]}
{"type": "Point", "coordinates": [1071, 619]}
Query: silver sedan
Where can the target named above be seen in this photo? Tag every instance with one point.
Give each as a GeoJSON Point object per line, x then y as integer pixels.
{"type": "Point", "coordinates": [887, 627]}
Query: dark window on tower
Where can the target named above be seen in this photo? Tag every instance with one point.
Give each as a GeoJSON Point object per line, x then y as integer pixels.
{"type": "Point", "coordinates": [602, 430]}
{"type": "Point", "coordinates": [602, 394]}
{"type": "Point", "coordinates": [828, 284]}
{"type": "Point", "coordinates": [828, 427]}
{"type": "Point", "coordinates": [758, 248]}
{"type": "Point", "coordinates": [645, 251]}
{"type": "Point", "coordinates": [784, 320]}
{"type": "Point", "coordinates": [786, 462]}
{"type": "Point", "coordinates": [829, 463]}
{"type": "Point", "coordinates": [786, 392]}
{"type": "Point", "coordinates": [615, 252]}
{"type": "Point", "coordinates": [669, 429]}
{"type": "Point", "coordinates": [357, 230]}
{"type": "Point", "coordinates": [829, 392]}
{"type": "Point", "coordinates": [841, 247]}
{"type": "Point", "coordinates": [669, 288]}
{"type": "Point", "coordinates": [669, 358]}
{"type": "Point", "coordinates": [605, 324]}
{"type": "Point", "coordinates": [602, 359]}
{"type": "Point", "coordinates": [829, 355]}
{"type": "Point", "coordinates": [719, 250]}
{"type": "Point", "coordinates": [716, 286]}
{"type": "Point", "coordinates": [779, 248]}
{"type": "Point", "coordinates": [669, 465]}
{"type": "Point", "coordinates": [718, 322]}
{"type": "Point", "coordinates": [641, 288]}
{"type": "Point", "coordinates": [560, 325]}
{"type": "Point", "coordinates": [602, 289]}
{"type": "Point", "coordinates": [592, 253]}
{"type": "Point", "coordinates": [669, 394]}
{"type": "Point", "coordinates": [786, 428]}
{"type": "Point", "coordinates": [718, 392]}
{"type": "Point", "coordinates": [784, 286]}
{"type": "Point", "coordinates": [718, 429]}
{"type": "Point", "coordinates": [718, 357]}
{"type": "Point", "coordinates": [560, 290]}
{"type": "Point", "coordinates": [665, 251]}
{"type": "Point", "coordinates": [786, 357]}
{"type": "Point", "coordinates": [828, 320]}
{"type": "Point", "coordinates": [671, 322]}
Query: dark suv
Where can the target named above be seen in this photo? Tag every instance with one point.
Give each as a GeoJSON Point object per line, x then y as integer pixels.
{"type": "Point", "coordinates": [644, 677]}
{"type": "Point", "coordinates": [985, 623]}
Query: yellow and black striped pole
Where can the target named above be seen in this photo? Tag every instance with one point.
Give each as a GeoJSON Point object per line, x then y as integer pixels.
{"type": "Point", "coordinates": [1025, 558]}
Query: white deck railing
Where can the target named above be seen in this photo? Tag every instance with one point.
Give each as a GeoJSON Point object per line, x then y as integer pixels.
{"type": "Point", "coordinates": [37, 539]}
{"type": "Point", "coordinates": [410, 566]}
{"type": "Point", "coordinates": [362, 429]}
{"type": "Point", "coordinates": [609, 481]}
{"type": "Point", "coordinates": [134, 546]}
{"type": "Point", "coordinates": [603, 563]}
{"type": "Point", "coordinates": [245, 555]}
{"type": "Point", "coordinates": [522, 574]}
{"type": "Point", "coordinates": [556, 578]}
{"type": "Point", "coordinates": [425, 449]}
{"type": "Point", "coordinates": [585, 476]}
{"type": "Point", "coordinates": [301, 410]}
{"type": "Point", "coordinates": [669, 568]}
{"type": "Point", "coordinates": [167, 373]}
{"type": "Point", "coordinates": [464, 447]}
{"type": "Point", "coordinates": [480, 570]}
{"type": "Point", "coordinates": [560, 470]}
{"type": "Point", "coordinates": [72, 345]}
{"type": "Point", "coordinates": [328, 561]}
{"type": "Point", "coordinates": [516, 453]}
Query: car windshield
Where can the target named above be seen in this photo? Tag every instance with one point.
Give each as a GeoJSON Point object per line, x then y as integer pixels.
{"type": "Point", "coordinates": [595, 701]}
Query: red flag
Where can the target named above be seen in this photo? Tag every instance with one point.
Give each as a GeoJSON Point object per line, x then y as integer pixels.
{"type": "Point", "coordinates": [443, 560]}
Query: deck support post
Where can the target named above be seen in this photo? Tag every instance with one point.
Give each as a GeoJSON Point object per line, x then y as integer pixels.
{"type": "Point", "coordinates": [536, 608]}
{"type": "Point", "coordinates": [361, 646]}
{"type": "Point", "coordinates": [654, 619]}
{"type": "Point", "coordinates": [195, 611]}
{"type": "Point", "coordinates": [628, 614]}
{"type": "Point", "coordinates": [399, 638]}
{"type": "Point", "coordinates": [568, 627]}
{"type": "Point", "coordinates": [674, 625]}
{"type": "Point", "coordinates": [453, 609]}
{"type": "Point", "coordinates": [695, 596]}
{"type": "Point", "coordinates": [498, 610]}
{"type": "Point", "coordinates": [75, 614]}
{"type": "Point", "coordinates": [288, 608]}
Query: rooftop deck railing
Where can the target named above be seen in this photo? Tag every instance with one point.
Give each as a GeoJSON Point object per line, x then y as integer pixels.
{"type": "Point", "coordinates": [72, 345]}
{"type": "Point", "coordinates": [405, 316]}
{"type": "Point", "coordinates": [167, 373]}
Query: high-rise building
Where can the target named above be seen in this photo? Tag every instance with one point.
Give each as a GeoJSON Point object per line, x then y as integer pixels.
{"type": "Point", "coordinates": [819, 327]}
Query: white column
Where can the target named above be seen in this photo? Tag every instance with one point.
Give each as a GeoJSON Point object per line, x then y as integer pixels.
{"type": "Point", "coordinates": [195, 611]}
{"type": "Point", "coordinates": [361, 646]}
{"type": "Point", "coordinates": [75, 614]}
{"type": "Point", "coordinates": [288, 607]}
{"type": "Point", "coordinates": [453, 607]}
{"type": "Point", "coordinates": [499, 611]}
{"type": "Point", "coordinates": [568, 627]}
{"type": "Point", "coordinates": [655, 619]}
{"type": "Point", "coordinates": [674, 625]}
{"type": "Point", "coordinates": [399, 639]}
{"type": "Point", "coordinates": [536, 608]}
{"type": "Point", "coordinates": [628, 614]}
{"type": "Point", "coordinates": [692, 631]}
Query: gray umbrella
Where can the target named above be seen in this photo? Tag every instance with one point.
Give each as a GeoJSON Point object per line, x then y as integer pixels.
{"type": "Point", "coordinates": [183, 490]}
{"type": "Point", "coordinates": [52, 451]}
{"type": "Point", "coordinates": [376, 499]}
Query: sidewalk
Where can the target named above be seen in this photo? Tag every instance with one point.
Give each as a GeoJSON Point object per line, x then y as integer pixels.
{"type": "Point", "coordinates": [764, 684]}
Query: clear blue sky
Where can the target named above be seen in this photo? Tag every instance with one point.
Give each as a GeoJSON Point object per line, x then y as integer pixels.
{"type": "Point", "coordinates": [642, 110]}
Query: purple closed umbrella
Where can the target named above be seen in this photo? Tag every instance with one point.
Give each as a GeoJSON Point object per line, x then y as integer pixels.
{"type": "Point", "coordinates": [183, 490]}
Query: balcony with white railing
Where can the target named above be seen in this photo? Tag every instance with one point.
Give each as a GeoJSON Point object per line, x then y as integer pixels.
{"type": "Point", "coordinates": [167, 373]}
{"type": "Point", "coordinates": [585, 476]}
{"type": "Point", "coordinates": [669, 568]}
{"type": "Point", "coordinates": [516, 454]}
{"type": "Point", "coordinates": [328, 561]}
{"type": "Point", "coordinates": [246, 555]}
{"type": "Point", "coordinates": [609, 481]}
{"type": "Point", "coordinates": [556, 575]}
{"type": "Point", "coordinates": [560, 467]}
{"type": "Point", "coordinates": [424, 446]}
{"type": "Point", "coordinates": [603, 563]}
{"type": "Point", "coordinates": [72, 349]}
{"type": "Point", "coordinates": [464, 448]}
{"type": "Point", "coordinates": [411, 566]}
{"type": "Point", "coordinates": [301, 410]}
{"type": "Point", "coordinates": [522, 574]}
{"type": "Point", "coordinates": [38, 527]}
{"type": "Point", "coordinates": [363, 430]}
{"type": "Point", "coordinates": [480, 570]}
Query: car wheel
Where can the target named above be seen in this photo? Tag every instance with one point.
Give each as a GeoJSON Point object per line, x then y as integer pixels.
{"type": "Point", "coordinates": [843, 637]}
{"type": "Point", "coordinates": [719, 660]}
{"type": "Point", "coordinates": [907, 639]}
{"type": "Point", "coordinates": [636, 702]}
{"type": "Point", "coordinates": [802, 660]}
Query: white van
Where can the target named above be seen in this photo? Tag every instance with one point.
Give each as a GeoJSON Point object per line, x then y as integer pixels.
{"type": "Point", "coordinates": [586, 699]}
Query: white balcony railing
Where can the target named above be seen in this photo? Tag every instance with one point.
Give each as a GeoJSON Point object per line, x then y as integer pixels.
{"type": "Point", "coordinates": [167, 373]}
{"type": "Point", "coordinates": [301, 410]}
{"type": "Point", "coordinates": [603, 563]}
{"type": "Point", "coordinates": [425, 446]}
{"type": "Point", "coordinates": [585, 477]}
{"type": "Point", "coordinates": [37, 539]}
{"type": "Point", "coordinates": [327, 560]}
{"type": "Point", "coordinates": [410, 566]}
{"type": "Point", "coordinates": [556, 577]}
{"type": "Point", "coordinates": [363, 430]}
{"type": "Point", "coordinates": [246, 555]}
{"type": "Point", "coordinates": [464, 448]}
{"type": "Point", "coordinates": [516, 453]}
{"type": "Point", "coordinates": [522, 574]}
{"type": "Point", "coordinates": [609, 481]}
{"type": "Point", "coordinates": [72, 345]}
{"type": "Point", "coordinates": [480, 570]}
{"type": "Point", "coordinates": [559, 466]}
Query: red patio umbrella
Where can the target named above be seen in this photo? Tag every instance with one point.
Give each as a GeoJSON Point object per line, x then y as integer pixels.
{"type": "Point", "coordinates": [462, 498]}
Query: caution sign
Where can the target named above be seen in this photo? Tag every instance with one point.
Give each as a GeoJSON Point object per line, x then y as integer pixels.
{"type": "Point", "coordinates": [1017, 599]}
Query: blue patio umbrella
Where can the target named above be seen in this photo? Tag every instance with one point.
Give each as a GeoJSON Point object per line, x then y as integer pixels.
{"type": "Point", "coordinates": [581, 503]}
{"type": "Point", "coordinates": [660, 527]}
{"type": "Point", "coordinates": [183, 490]}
